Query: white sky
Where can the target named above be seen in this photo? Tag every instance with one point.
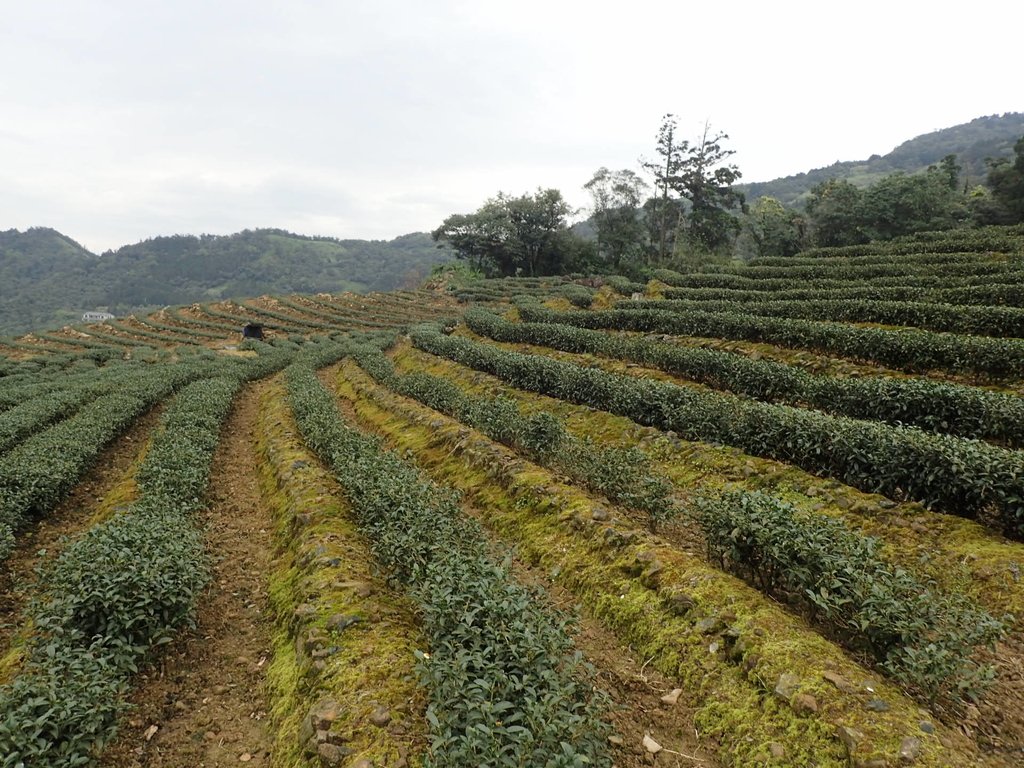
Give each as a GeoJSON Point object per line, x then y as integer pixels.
{"type": "Point", "coordinates": [125, 119]}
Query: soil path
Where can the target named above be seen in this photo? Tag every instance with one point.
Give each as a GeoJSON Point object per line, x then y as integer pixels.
{"type": "Point", "coordinates": [202, 704]}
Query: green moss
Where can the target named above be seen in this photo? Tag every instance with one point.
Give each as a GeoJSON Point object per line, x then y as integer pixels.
{"type": "Point", "coordinates": [958, 554]}
{"type": "Point", "coordinates": [342, 635]}
{"type": "Point", "coordinates": [730, 674]}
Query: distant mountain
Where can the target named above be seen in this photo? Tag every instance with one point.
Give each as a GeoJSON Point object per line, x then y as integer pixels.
{"type": "Point", "coordinates": [972, 142]}
{"type": "Point", "coordinates": [49, 280]}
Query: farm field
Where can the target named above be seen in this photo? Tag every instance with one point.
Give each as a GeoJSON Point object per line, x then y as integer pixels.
{"type": "Point", "coordinates": [762, 515]}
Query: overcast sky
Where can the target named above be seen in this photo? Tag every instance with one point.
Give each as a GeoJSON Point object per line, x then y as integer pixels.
{"type": "Point", "coordinates": [125, 119]}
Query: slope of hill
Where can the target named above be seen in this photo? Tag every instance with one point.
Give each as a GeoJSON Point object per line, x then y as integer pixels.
{"type": "Point", "coordinates": [781, 504]}
{"type": "Point", "coordinates": [972, 143]}
{"type": "Point", "coordinates": [47, 279]}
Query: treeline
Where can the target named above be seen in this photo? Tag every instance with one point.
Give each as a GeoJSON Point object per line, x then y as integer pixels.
{"type": "Point", "coordinates": [685, 211]}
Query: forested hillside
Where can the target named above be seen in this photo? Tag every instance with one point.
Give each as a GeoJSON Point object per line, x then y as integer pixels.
{"type": "Point", "coordinates": [47, 279]}
{"type": "Point", "coordinates": [992, 136]}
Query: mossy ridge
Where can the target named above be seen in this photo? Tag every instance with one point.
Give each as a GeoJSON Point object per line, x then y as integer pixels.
{"type": "Point", "coordinates": [117, 499]}
{"type": "Point", "coordinates": [323, 579]}
{"type": "Point", "coordinates": [958, 554]}
{"type": "Point", "coordinates": [552, 525]}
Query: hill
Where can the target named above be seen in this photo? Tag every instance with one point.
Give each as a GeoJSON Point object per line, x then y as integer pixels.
{"type": "Point", "coordinates": [47, 279]}
{"type": "Point", "coordinates": [776, 509]}
{"type": "Point", "coordinates": [972, 143]}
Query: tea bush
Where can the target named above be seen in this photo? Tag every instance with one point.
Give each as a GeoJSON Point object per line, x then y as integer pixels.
{"type": "Point", "coordinates": [919, 636]}
{"type": "Point", "coordinates": [935, 406]}
{"type": "Point", "coordinates": [505, 687]}
{"type": "Point", "coordinates": [964, 477]}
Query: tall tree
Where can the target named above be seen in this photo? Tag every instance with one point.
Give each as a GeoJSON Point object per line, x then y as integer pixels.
{"type": "Point", "coordinates": [616, 214]}
{"type": "Point", "coordinates": [705, 179]}
{"type": "Point", "coordinates": [900, 203]}
{"type": "Point", "coordinates": [1006, 180]}
{"type": "Point", "coordinates": [663, 212]}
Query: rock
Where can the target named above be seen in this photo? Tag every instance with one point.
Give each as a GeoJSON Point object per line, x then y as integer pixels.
{"type": "Point", "coordinates": [787, 686]}
{"type": "Point", "coordinates": [910, 748]}
{"type": "Point", "coordinates": [220, 690]}
{"type": "Point", "coordinates": [332, 755]}
{"type": "Point", "coordinates": [672, 697]}
{"type": "Point", "coordinates": [615, 741]}
{"type": "Point", "coordinates": [181, 706]}
{"type": "Point", "coordinates": [777, 750]}
{"type": "Point", "coordinates": [805, 704]}
{"type": "Point", "coordinates": [339, 622]}
{"type": "Point", "coordinates": [245, 757]}
{"type": "Point", "coordinates": [299, 464]}
{"type": "Point", "coordinates": [323, 713]}
{"type": "Point", "coordinates": [877, 705]}
{"type": "Point", "coordinates": [708, 625]}
{"type": "Point", "coordinates": [600, 514]}
{"type": "Point", "coordinates": [361, 588]}
{"type": "Point", "coordinates": [380, 716]}
{"type": "Point", "coordinates": [927, 727]}
{"type": "Point", "coordinates": [679, 603]}
{"type": "Point", "coordinates": [850, 738]}
{"type": "Point", "coordinates": [649, 578]}
{"type": "Point", "coordinates": [304, 611]}
{"type": "Point", "coordinates": [838, 681]}
{"type": "Point", "coordinates": [651, 745]}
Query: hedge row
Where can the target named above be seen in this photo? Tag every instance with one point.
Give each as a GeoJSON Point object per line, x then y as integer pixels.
{"type": "Point", "coordinates": [963, 477]}
{"type": "Point", "coordinates": [1011, 295]}
{"type": "Point", "coordinates": [978, 320]}
{"type": "Point", "coordinates": [39, 471]}
{"type": "Point", "coordinates": [920, 637]}
{"type": "Point", "coordinates": [910, 350]}
{"type": "Point", "coordinates": [505, 687]}
{"type": "Point", "coordinates": [1012, 273]}
{"type": "Point", "coordinates": [114, 594]}
{"type": "Point", "coordinates": [935, 406]}
{"type": "Point", "coordinates": [623, 475]}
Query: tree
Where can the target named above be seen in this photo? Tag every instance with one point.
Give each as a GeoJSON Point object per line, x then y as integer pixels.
{"type": "Point", "coordinates": [616, 214]}
{"type": "Point", "coordinates": [705, 179]}
{"type": "Point", "coordinates": [835, 210]}
{"type": "Point", "coordinates": [513, 235]}
{"type": "Point", "coordinates": [775, 229]}
{"type": "Point", "coordinates": [663, 213]}
{"type": "Point", "coordinates": [900, 204]}
{"type": "Point", "coordinates": [1006, 180]}
{"type": "Point", "coordinates": [701, 181]}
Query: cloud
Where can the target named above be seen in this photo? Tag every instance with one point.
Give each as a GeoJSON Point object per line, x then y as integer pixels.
{"type": "Point", "coordinates": [122, 120]}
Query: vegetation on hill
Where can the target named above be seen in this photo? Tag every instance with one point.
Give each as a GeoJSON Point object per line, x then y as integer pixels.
{"type": "Point", "coordinates": [696, 213]}
{"type": "Point", "coordinates": [47, 279]}
{"type": "Point", "coordinates": [973, 143]}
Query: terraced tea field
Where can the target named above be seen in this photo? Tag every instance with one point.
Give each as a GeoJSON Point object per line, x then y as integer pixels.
{"type": "Point", "coordinates": [767, 515]}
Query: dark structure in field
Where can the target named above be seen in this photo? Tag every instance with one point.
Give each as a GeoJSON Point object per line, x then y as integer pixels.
{"type": "Point", "coordinates": [252, 331]}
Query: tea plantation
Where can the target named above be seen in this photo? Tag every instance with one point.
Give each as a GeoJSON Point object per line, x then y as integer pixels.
{"type": "Point", "coordinates": [791, 491]}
